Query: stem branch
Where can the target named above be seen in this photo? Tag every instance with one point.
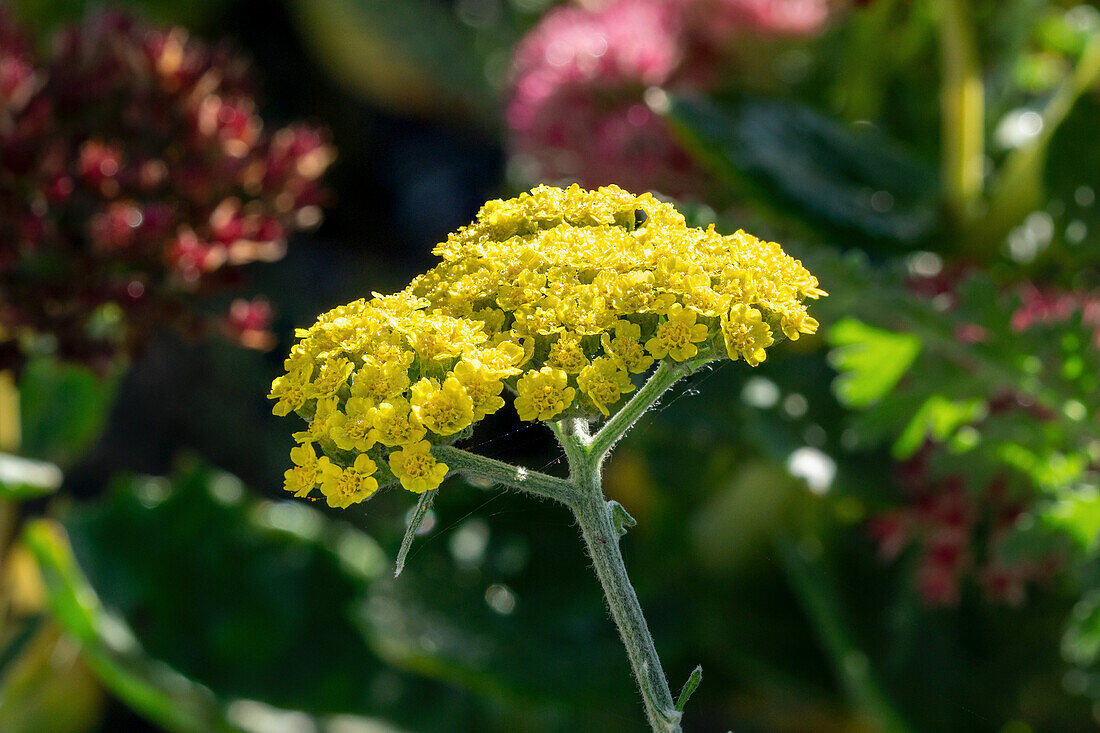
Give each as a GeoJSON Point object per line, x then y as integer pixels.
{"type": "Point", "coordinates": [666, 374]}
{"type": "Point", "coordinates": [514, 477]}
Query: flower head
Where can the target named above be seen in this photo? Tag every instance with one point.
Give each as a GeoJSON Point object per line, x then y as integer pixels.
{"type": "Point", "coordinates": [136, 173]}
{"type": "Point", "coordinates": [576, 109]}
{"type": "Point", "coordinates": [562, 296]}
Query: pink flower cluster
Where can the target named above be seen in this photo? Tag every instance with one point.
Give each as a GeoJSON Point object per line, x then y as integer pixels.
{"type": "Point", "coordinates": [585, 83]}
{"type": "Point", "coordinates": [958, 533]}
{"type": "Point", "coordinates": [724, 20]}
{"type": "Point", "coordinates": [1052, 306]}
{"type": "Point", "coordinates": [135, 172]}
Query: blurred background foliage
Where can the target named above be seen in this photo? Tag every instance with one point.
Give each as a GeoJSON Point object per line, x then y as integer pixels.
{"type": "Point", "coordinates": [891, 526]}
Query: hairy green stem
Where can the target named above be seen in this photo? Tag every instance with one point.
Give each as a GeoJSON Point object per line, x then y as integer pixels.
{"type": "Point", "coordinates": [514, 477]}
{"type": "Point", "coordinates": [666, 374]}
{"type": "Point", "coordinates": [602, 523]}
{"type": "Point", "coordinates": [593, 514]}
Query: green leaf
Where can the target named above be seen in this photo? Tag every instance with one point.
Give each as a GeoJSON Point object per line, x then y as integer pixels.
{"type": "Point", "coordinates": [1078, 515]}
{"type": "Point", "coordinates": [64, 408]}
{"type": "Point", "coordinates": [423, 506]}
{"type": "Point", "coordinates": [620, 517]}
{"type": "Point", "coordinates": [413, 55]}
{"type": "Point", "coordinates": [150, 687]}
{"type": "Point", "coordinates": [870, 360]}
{"type": "Point", "coordinates": [937, 418]}
{"type": "Point", "coordinates": [234, 592]}
{"type": "Point", "coordinates": [813, 165]}
{"type": "Point", "coordinates": [689, 688]}
{"type": "Point", "coordinates": [22, 479]}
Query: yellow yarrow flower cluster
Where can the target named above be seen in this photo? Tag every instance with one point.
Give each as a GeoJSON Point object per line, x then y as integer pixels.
{"type": "Point", "coordinates": [558, 295]}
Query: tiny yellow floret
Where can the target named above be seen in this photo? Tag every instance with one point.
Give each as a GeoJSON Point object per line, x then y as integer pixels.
{"type": "Point", "coordinates": [442, 409]}
{"type": "Point", "coordinates": [343, 487]}
{"type": "Point", "coordinates": [604, 382]}
{"type": "Point", "coordinates": [677, 336]}
{"type": "Point", "coordinates": [543, 394]}
{"type": "Point", "coordinates": [416, 468]}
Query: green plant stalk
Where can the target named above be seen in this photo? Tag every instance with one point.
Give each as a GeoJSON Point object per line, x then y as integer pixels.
{"type": "Point", "coordinates": [602, 523]}
{"type": "Point", "coordinates": [817, 594]}
{"type": "Point", "coordinates": [10, 427]}
{"type": "Point", "coordinates": [859, 89]}
{"type": "Point", "coordinates": [10, 440]}
{"type": "Point", "coordinates": [962, 111]}
{"type": "Point", "coordinates": [601, 537]}
{"type": "Point", "coordinates": [1020, 190]}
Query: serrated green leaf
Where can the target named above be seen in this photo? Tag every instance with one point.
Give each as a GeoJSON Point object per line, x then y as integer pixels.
{"type": "Point", "coordinates": [870, 360]}
{"type": "Point", "coordinates": [937, 418]}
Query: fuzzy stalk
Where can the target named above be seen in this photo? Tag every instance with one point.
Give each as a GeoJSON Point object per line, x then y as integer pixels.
{"type": "Point", "coordinates": [601, 537]}
{"type": "Point", "coordinates": [602, 523]}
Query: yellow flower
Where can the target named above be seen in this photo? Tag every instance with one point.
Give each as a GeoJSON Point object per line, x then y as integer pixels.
{"type": "Point", "coordinates": [604, 383]}
{"type": "Point", "coordinates": [343, 487]}
{"type": "Point", "coordinates": [677, 336]}
{"type": "Point", "coordinates": [626, 347]}
{"type": "Point", "coordinates": [317, 430]}
{"type": "Point", "coordinates": [378, 381]}
{"type": "Point", "coordinates": [543, 394]}
{"type": "Point", "coordinates": [746, 334]}
{"type": "Point", "coordinates": [567, 353]}
{"type": "Point", "coordinates": [301, 479]}
{"type": "Point", "coordinates": [558, 292]}
{"type": "Point", "coordinates": [443, 410]}
{"type": "Point", "coordinates": [416, 468]}
{"type": "Point", "coordinates": [332, 375]}
{"type": "Point", "coordinates": [796, 321]}
{"type": "Point", "coordinates": [503, 359]}
{"type": "Point", "coordinates": [483, 387]}
{"type": "Point", "coordinates": [289, 390]}
{"type": "Point", "coordinates": [351, 430]}
{"type": "Point", "coordinates": [394, 423]}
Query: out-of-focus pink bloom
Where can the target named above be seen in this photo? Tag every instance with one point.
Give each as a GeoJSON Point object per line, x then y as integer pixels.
{"type": "Point", "coordinates": [725, 20]}
{"type": "Point", "coordinates": [135, 173]}
{"type": "Point", "coordinates": [576, 108]}
{"type": "Point", "coordinates": [1039, 305]}
{"type": "Point", "coordinates": [586, 81]}
{"type": "Point", "coordinates": [248, 323]}
{"type": "Point", "coordinates": [957, 533]}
